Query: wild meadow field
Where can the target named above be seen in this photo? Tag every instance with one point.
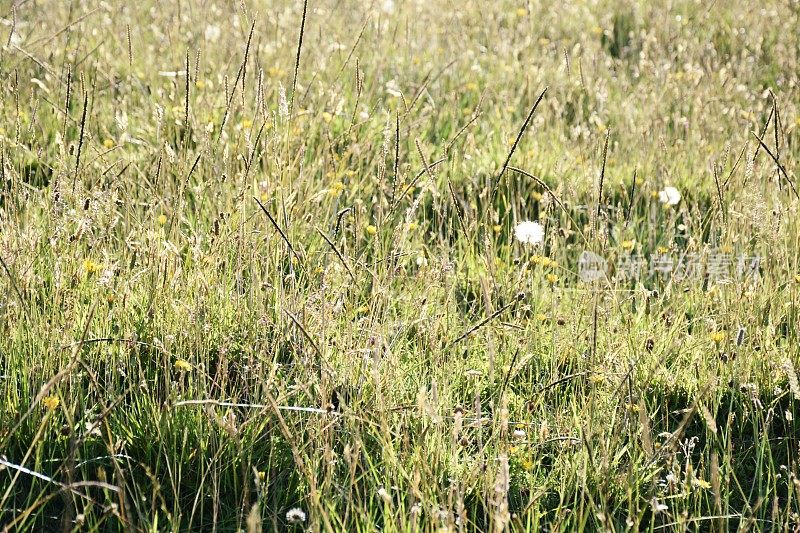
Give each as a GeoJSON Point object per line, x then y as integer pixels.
{"type": "Point", "coordinates": [399, 265]}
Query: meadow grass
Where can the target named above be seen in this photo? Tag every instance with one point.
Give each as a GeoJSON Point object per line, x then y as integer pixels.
{"type": "Point", "coordinates": [260, 256]}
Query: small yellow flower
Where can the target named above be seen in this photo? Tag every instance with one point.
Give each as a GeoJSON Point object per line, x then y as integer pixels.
{"type": "Point", "coordinates": [51, 402]}
{"type": "Point", "coordinates": [183, 365]}
{"type": "Point", "coordinates": [527, 464]}
{"type": "Point", "coordinates": [726, 249]}
{"type": "Point", "coordinates": [717, 336]}
{"type": "Point", "coordinates": [654, 194]}
{"type": "Point", "coordinates": [521, 11]}
{"type": "Point", "coordinates": [247, 123]}
{"type": "Point", "coordinates": [662, 249]}
{"type": "Point", "coordinates": [261, 475]}
{"type": "Point", "coordinates": [597, 378]}
{"type": "Point", "coordinates": [336, 188]}
{"type": "Point", "coordinates": [497, 228]}
{"type": "Point", "coordinates": [275, 72]}
{"type": "Point", "coordinates": [546, 261]}
{"type": "Point", "coordinates": [413, 226]}
{"type": "Point", "coordinates": [797, 278]}
{"type": "Point", "coordinates": [536, 259]}
{"type": "Point", "coordinates": [363, 310]}
{"type": "Point", "coordinates": [471, 86]}
{"type": "Point", "coordinates": [541, 317]}
{"type": "Point", "coordinates": [537, 196]}
{"type": "Point", "coordinates": [110, 298]}
{"type": "Point", "coordinates": [700, 483]}
{"type": "Point", "coordinates": [200, 84]}
{"type": "Point", "coordinates": [628, 244]}
{"type": "Point", "coordinates": [371, 230]}
{"type": "Point", "coordinates": [108, 143]}
{"type": "Point", "coordinates": [551, 279]}
{"type": "Point", "coordinates": [90, 266]}
{"type": "Point", "coordinates": [162, 219]}
{"type": "Point", "coordinates": [327, 117]}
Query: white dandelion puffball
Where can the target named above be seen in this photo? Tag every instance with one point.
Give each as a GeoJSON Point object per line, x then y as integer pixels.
{"type": "Point", "coordinates": [295, 516]}
{"type": "Point", "coordinates": [529, 232]}
{"type": "Point", "coordinates": [669, 196]}
{"type": "Point", "coordinates": [213, 33]}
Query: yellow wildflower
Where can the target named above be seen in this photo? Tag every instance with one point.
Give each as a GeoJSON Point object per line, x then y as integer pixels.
{"type": "Point", "coordinates": [717, 336]}
{"type": "Point", "coordinates": [162, 219]}
{"type": "Point", "coordinates": [371, 230]}
{"type": "Point", "coordinates": [109, 143]}
{"type": "Point", "coordinates": [51, 402]}
{"type": "Point", "coordinates": [90, 266]}
{"type": "Point", "coordinates": [275, 72]}
{"type": "Point", "coordinates": [336, 188]}
{"type": "Point", "coordinates": [183, 365]}
{"type": "Point", "coordinates": [597, 378]}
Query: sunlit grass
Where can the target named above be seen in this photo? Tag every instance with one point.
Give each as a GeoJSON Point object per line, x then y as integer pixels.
{"type": "Point", "coordinates": [236, 299]}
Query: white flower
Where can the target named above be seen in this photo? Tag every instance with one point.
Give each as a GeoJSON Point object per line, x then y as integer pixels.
{"type": "Point", "coordinates": [658, 506]}
{"type": "Point", "coordinates": [212, 33]}
{"type": "Point", "coordinates": [529, 232]}
{"type": "Point", "coordinates": [295, 516]}
{"type": "Point", "coordinates": [519, 434]}
{"type": "Point", "coordinates": [393, 88]}
{"type": "Point", "coordinates": [384, 494]}
{"type": "Point", "coordinates": [669, 196]}
{"type": "Point", "coordinates": [422, 261]}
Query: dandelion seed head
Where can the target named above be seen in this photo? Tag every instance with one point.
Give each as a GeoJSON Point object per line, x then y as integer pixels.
{"type": "Point", "coordinates": [295, 516]}
{"type": "Point", "coordinates": [529, 232]}
{"type": "Point", "coordinates": [669, 196]}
